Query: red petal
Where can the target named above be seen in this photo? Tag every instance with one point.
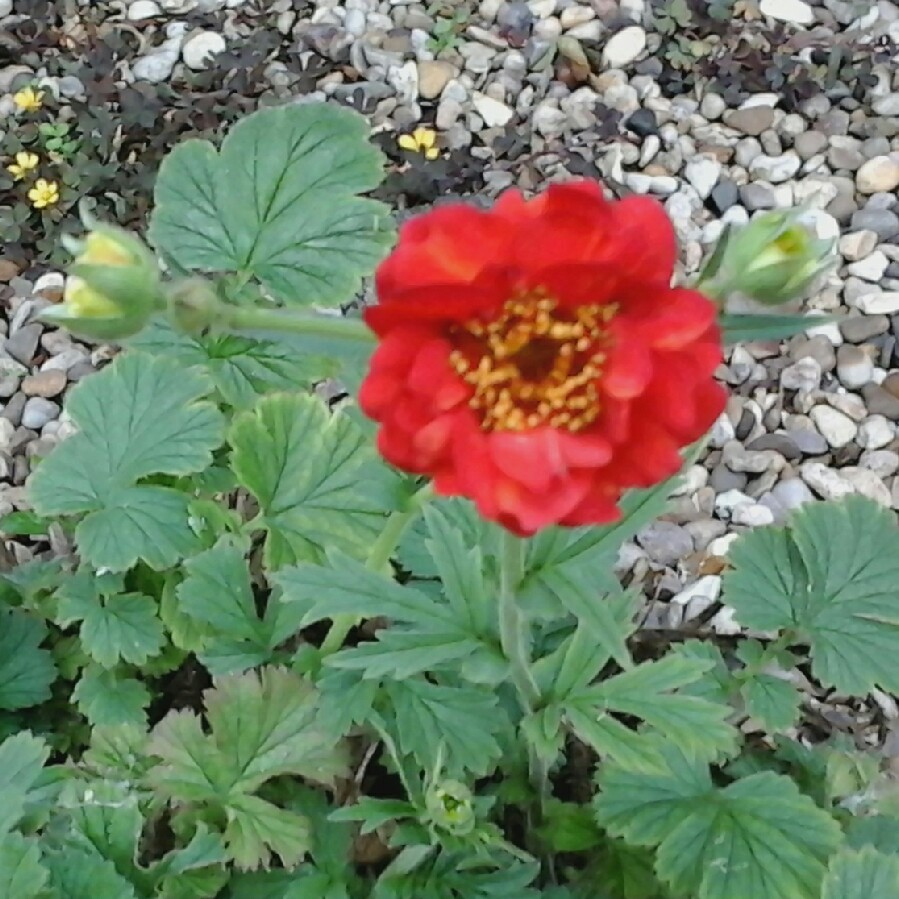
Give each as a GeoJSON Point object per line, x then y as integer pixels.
{"type": "Point", "coordinates": [681, 318]}
{"type": "Point", "coordinates": [627, 369]}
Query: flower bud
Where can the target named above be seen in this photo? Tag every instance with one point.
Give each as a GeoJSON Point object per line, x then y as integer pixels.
{"type": "Point", "coordinates": [450, 807]}
{"type": "Point", "coordinates": [113, 288]}
{"type": "Point", "coordinates": [773, 259]}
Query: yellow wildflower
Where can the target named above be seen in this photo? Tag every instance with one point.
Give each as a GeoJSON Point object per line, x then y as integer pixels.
{"type": "Point", "coordinates": [25, 162]}
{"type": "Point", "coordinates": [421, 140]}
{"type": "Point", "coordinates": [28, 99]}
{"type": "Point", "coordinates": [44, 193]}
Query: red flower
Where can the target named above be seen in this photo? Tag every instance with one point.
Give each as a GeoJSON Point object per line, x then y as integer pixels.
{"type": "Point", "coordinates": [535, 357]}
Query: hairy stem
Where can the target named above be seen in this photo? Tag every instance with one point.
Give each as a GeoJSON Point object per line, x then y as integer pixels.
{"type": "Point", "coordinates": [378, 556]}
{"type": "Point", "coordinates": [514, 635]}
{"type": "Point", "coordinates": [311, 324]}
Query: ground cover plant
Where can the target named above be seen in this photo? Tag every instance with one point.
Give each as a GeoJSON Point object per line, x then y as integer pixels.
{"type": "Point", "coordinates": [376, 647]}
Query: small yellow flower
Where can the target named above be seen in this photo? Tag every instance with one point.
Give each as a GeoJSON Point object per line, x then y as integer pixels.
{"type": "Point", "coordinates": [25, 162]}
{"type": "Point", "coordinates": [28, 99]}
{"type": "Point", "coordinates": [44, 193]}
{"type": "Point", "coordinates": [421, 140]}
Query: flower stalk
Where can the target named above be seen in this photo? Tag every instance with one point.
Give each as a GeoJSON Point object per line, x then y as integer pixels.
{"type": "Point", "coordinates": [378, 557]}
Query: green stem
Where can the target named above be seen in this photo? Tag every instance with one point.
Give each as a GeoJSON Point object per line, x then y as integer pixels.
{"type": "Point", "coordinates": [514, 635]}
{"type": "Point", "coordinates": [254, 319]}
{"type": "Point", "coordinates": [378, 556]}
{"type": "Point", "coordinates": [512, 628]}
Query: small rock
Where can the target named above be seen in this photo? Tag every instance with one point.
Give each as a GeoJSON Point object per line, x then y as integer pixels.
{"type": "Point", "coordinates": [882, 222]}
{"type": "Point", "coordinates": [44, 383]}
{"type": "Point", "coordinates": [143, 9]}
{"type": "Point", "coordinates": [38, 411]}
{"type": "Point", "coordinates": [699, 596]}
{"type": "Point", "coordinates": [857, 245]}
{"type": "Point", "coordinates": [11, 374]}
{"type": "Point", "coordinates": [199, 49]}
{"type": "Point", "coordinates": [804, 375]}
{"type": "Point", "coordinates": [725, 503]}
{"type": "Point", "coordinates": [795, 12]}
{"type": "Point", "coordinates": [878, 303]}
{"type": "Point", "coordinates": [866, 483]}
{"type": "Point", "coordinates": [703, 173]}
{"type": "Point", "coordinates": [859, 328]}
{"type": "Point", "coordinates": [572, 16]}
{"type": "Point", "coordinates": [836, 428]}
{"type": "Point", "coordinates": [50, 286]}
{"type": "Point", "coordinates": [880, 399]}
{"type": "Point", "coordinates": [792, 493]}
{"type": "Point", "coordinates": [783, 444]}
{"type": "Point", "coordinates": [826, 482]}
{"type": "Point", "coordinates": [155, 67]}
{"type": "Point", "coordinates": [751, 120]}
{"type": "Point", "coordinates": [23, 343]}
{"type": "Point", "coordinates": [854, 366]}
{"type": "Point", "coordinates": [878, 175]}
{"type": "Point", "coordinates": [752, 515]}
{"type": "Point", "coordinates": [548, 120]}
{"type": "Point", "coordinates": [882, 462]}
{"type": "Point", "coordinates": [871, 268]}
{"type": "Point", "coordinates": [809, 441]}
{"type": "Point", "coordinates": [642, 122]}
{"type": "Point", "coordinates": [776, 169]}
{"type": "Point", "coordinates": [433, 77]}
{"type": "Point", "coordinates": [624, 47]}
{"type": "Point", "coordinates": [665, 543]}
{"type": "Point", "coordinates": [494, 113]}
{"type": "Point", "coordinates": [875, 433]}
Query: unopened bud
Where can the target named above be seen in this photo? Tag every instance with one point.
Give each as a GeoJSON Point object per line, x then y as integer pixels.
{"type": "Point", "coordinates": [113, 289]}
{"type": "Point", "coordinates": [773, 259]}
{"type": "Point", "coordinates": [450, 807]}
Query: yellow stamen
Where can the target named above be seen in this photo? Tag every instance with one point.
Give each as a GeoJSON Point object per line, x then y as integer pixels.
{"type": "Point", "coordinates": [534, 364]}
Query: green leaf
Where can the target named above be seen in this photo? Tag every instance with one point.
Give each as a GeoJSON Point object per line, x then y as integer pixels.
{"type": "Point", "coordinates": [22, 876]}
{"type": "Point", "coordinates": [758, 836]}
{"type": "Point", "coordinates": [256, 826]}
{"type": "Point", "coordinates": [862, 875]}
{"type": "Point", "coordinates": [106, 818]}
{"type": "Point", "coordinates": [22, 759]}
{"type": "Point", "coordinates": [260, 726]}
{"type": "Point", "coordinates": [315, 476]}
{"type": "Point", "coordinates": [691, 723]}
{"type": "Point", "coordinates": [462, 720]}
{"type": "Point", "coordinates": [26, 670]}
{"type": "Point", "coordinates": [113, 627]}
{"type": "Point", "coordinates": [878, 831]}
{"type": "Point", "coordinates": [138, 417]}
{"type": "Point", "coordinates": [745, 328]}
{"type": "Point", "coordinates": [242, 368]}
{"type": "Point", "coordinates": [278, 203]}
{"type": "Point", "coordinates": [772, 701]}
{"type": "Point", "coordinates": [830, 576]}
{"type": "Point", "coordinates": [217, 592]}
{"type": "Point", "coordinates": [106, 698]}
{"type": "Point", "coordinates": [81, 874]}
{"type": "Point", "coordinates": [425, 633]}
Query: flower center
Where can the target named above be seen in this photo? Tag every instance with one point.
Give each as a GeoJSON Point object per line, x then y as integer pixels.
{"type": "Point", "coordinates": [534, 364]}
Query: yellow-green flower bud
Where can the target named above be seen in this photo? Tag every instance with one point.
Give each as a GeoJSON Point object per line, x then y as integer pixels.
{"type": "Point", "coordinates": [450, 807]}
{"type": "Point", "coordinates": [773, 259]}
{"type": "Point", "coordinates": [113, 288]}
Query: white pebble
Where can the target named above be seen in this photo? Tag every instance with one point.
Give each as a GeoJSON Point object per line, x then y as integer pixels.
{"type": "Point", "coordinates": [200, 48]}
{"type": "Point", "coordinates": [835, 427]}
{"type": "Point", "coordinates": [624, 47]}
{"type": "Point", "coordinates": [875, 432]}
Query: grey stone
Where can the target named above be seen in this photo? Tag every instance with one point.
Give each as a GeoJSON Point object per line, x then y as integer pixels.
{"type": "Point", "coordinates": [665, 543]}
{"type": "Point", "coordinates": [792, 493]}
{"type": "Point", "coordinates": [859, 328]}
{"type": "Point", "coordinates": [855, 368]}
{"type": "Point", "coordinates": [804, 375]}
{"type": "Point", "coordinates": [883, 222]}
{"type": "Point", "coordinates": [826, 482]}
{"type": "Point", "coordinates": [809, 144]}
{"type": "Point", "coordinates": [783, 444]}
{"type": "Point", "coordinates": [881, 402]}
{"type": "Point", "coordinates": [751, 120]}
{"type": "Point", "coordinates": [12, 411]}
{"type": "Point", "coordinates": [11, 374]}
{"type": "Point", "coordinates": [875, 433]}
{"type": "Point", "coordinates": [38, 411]}
{"type": "Point", "coordinates": [22, 344]}
{"type": "Point", "coordinates": [836, 428]}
